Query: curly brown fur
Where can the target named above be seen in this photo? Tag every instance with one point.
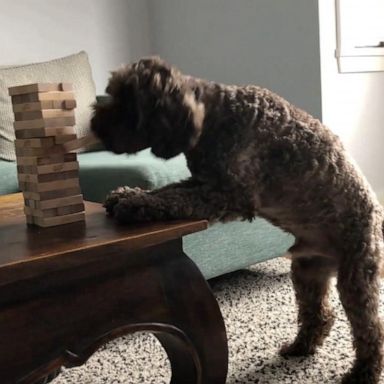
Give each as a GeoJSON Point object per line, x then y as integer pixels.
{"type": "Point", "coordinates": [251, 153]}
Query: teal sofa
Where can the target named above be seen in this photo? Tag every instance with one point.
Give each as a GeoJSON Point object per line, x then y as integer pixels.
{"type": "Point", "coordinates": [221, 249]}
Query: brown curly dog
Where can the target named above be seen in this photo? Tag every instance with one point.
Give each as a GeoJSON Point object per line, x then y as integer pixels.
{"type": "Point", "coordinates": [251, 153]}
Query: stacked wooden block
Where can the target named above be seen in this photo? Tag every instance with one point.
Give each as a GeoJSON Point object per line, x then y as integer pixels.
{"type": "Point", "coordinates": [48, 175]}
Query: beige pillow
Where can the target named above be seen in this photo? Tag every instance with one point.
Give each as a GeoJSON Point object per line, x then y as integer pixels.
{"type": "Point", "coordinates": [73, 69]}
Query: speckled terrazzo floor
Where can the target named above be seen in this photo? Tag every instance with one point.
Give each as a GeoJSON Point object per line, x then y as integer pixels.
{"type": "Point", "coordinates": [259, 312]}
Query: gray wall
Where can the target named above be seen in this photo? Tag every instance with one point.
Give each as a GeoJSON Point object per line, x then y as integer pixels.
{"type": "Point", "coordinates": [272, 43]}
{"type": "Point", "coordinates": [112, 32]}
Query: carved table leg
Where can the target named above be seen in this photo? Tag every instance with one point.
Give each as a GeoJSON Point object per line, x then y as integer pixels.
{"type": "Point", "coordinates": [47, 379]}
{"type": "Point", "coordinates": [65, 318]}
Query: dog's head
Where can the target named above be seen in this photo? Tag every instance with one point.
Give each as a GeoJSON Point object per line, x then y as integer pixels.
{"type": "Point", "coordinates": [150, 105]}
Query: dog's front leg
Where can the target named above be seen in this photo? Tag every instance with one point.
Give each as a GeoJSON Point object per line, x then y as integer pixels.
{"type": "Point", "coordinates": [174, 202]}
{"type": "Point", "coordinates": [112, 199]}
{"type": "Point", "coordinates": [126, 192]}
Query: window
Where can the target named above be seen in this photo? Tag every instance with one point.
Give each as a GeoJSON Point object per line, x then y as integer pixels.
{"type": "Point", "coordinates": [360, 35]}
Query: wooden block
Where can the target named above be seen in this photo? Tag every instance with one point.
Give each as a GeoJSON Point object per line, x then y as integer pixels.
{"type": "Point", "coordinates": [50, 168]}
{"type": "Point", "coordinates": [81, 142]}
{"type": "Point", "coordinates": [39, 87]}
{"type": "Point", "coordinates": [27, 177]}
{"type": "Point", "coordinates": [59, 220]}
{"type": "Point", "coordinates": [39, 152]}
{"type": "Point", "coordinates": [42, 196]}
{"type": "Point", "coordinates": [61, 139]}
{"type": "Point", "coordinates": [43, 105]}
{"type": "Point", "coordinates": [69, 209]}
{"type": "Point", "coordinates": [47, 160]}
{"type": "Point", "coordinates": [45, 123]}
{"type": "Point", "coordinates": [47, 177]}
{"type": "Point", "coordinates": [54, 203]}
{"type": "Point", "coordinates": [65, 87]}
{"type": "Point", "coordinates": [77, 143]}
{"type": "Point", "coordinates": [29, 203]}
{"type": "Point", "coordinates": [63, 167]}
{"type": "Point", "coordinates": [30, 152]}
{"type": "Point", "coordinates": [29, 219]}
{"type": "Point", "coordinates": [57, 148]}
{"type": "Point", "coordinates": [67, 146]}
{"type": "Point", "coordinates": [67, 104]}
{"type": "Point", "coordinates": [33, 97]}
{"type": "Point", "coordinates": [46, 222]}
{"type": "Point", "coordinates": [31, 212]}
{"type": "Point", "coordinates": [43, 114]}
{"type": "Point", "coordinates": [52, 212]}
{"type": "Point", "coordinates": [48, 186]}
{"type": "Point", "coordinates": [43, 132]}
{"type": "Point", "coordinates": [43, 142]}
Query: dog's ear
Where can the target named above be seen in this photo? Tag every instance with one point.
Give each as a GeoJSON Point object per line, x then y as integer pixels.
{"type": "Point", "coordinates": [155, 75]}
{"type": "Point", "coordinates": [122, 83]}
{"type": "Point", "coordinates": [123, 87]}
{"type": "Point", "coordinates": [132, 106]}
{"type": "Point", "coordinates": [176, 123]}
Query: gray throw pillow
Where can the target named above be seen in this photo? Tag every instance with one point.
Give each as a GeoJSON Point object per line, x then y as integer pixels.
{"type": "Point", "coordinates": [73, 69]}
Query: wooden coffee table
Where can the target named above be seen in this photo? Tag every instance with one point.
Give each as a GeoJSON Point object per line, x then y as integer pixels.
{"type": "Point", "coordinates": [66, 290]}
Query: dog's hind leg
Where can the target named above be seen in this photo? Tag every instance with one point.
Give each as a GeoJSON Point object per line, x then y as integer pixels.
{"type": "Point", "coordinates": [310, 277]}
{"type": "Point", "coordinates": [358, 285]}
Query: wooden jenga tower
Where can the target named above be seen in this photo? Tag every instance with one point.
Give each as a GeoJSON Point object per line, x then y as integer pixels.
{"type": "Point", "coordinates": [48, 175]}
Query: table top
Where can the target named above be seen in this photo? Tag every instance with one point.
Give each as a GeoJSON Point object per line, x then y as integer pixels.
{"type": "Point", "coordinates": [22, 245]}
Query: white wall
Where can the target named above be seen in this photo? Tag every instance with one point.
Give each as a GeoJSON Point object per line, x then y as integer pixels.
{"type": "Point", "coordinates": [112, 32]}
{"type": "Point", "coordinates": [352, 104]}
{"type": "Point", "coordinates": [266, 42]}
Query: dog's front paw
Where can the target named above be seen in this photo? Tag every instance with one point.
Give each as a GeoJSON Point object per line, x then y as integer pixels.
{"type": "Point", "coordinates": [114, 196]}
{"type": "Point", "coordinates": [137, 209]}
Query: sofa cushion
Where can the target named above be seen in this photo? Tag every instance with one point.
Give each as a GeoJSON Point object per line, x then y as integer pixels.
{"type": "Point", "coordinates": [8, 178]}
{"type": "Point", "coordinates": [73, 69]}
{"type": "Point", "coordinates": [102, 171]}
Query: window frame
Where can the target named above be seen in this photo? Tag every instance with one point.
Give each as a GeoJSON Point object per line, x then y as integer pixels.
{"type": "Point", "coordinates": [354, 58]}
